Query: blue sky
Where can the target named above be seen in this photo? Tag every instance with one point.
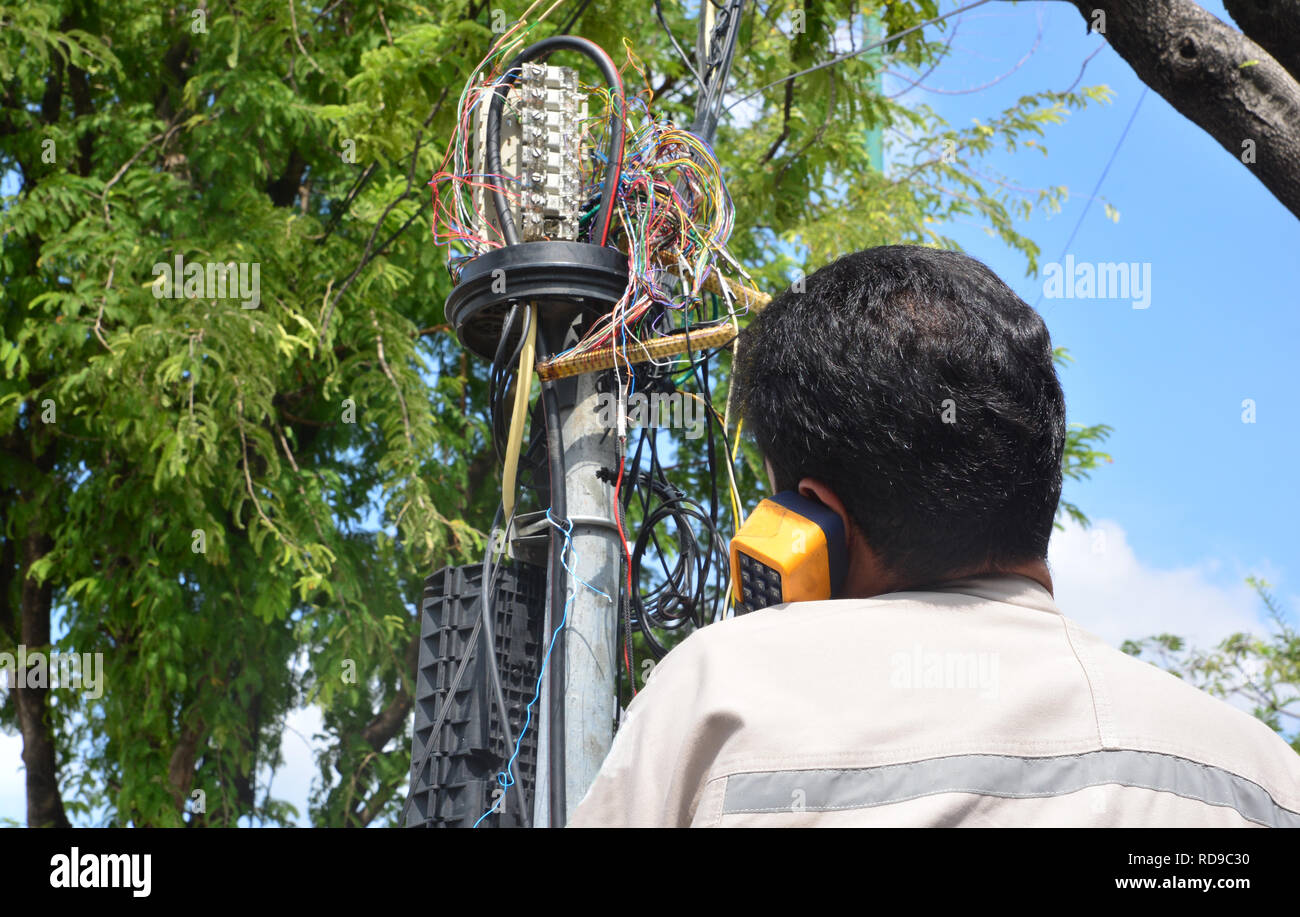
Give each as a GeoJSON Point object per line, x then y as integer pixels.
{"type": "Point", "coordinates": [1191, 484]}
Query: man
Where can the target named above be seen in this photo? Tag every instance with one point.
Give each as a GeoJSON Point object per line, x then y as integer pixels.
{"type": "Point", "coordinates": [914, 394]}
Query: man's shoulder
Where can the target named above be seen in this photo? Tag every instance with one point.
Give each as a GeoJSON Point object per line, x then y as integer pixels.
{"type": "Point", "coordinates": [1142, 706]}
{"type": "Point", "coordinates": [881, 686]}
{"type": "Point", "coordinates": [1134, 704]}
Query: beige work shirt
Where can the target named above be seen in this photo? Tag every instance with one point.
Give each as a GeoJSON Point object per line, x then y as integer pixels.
{"type": "Point", "coordinates": [975, 703]}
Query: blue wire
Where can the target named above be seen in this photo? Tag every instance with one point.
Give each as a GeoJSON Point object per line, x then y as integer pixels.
{"type": "Point", "coordinates": [506, 777]}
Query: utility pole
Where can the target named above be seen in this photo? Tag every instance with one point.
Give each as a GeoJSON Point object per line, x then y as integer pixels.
{"type": "Point", "coordinates": [591, 634]}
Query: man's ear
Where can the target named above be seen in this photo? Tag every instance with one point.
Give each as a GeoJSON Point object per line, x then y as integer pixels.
{"type": "Point", "coordinates": [813, 489]}
{"type": "Point", "coordinates": [866, 575]}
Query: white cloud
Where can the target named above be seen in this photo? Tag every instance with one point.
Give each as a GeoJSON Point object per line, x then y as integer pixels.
{"type": "Point", "coordinates": [1100, 583]}
{"type": "Point", "coordinates": [13, 779]}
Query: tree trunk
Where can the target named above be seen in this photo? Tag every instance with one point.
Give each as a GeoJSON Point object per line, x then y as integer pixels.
{"type": "Point", "coordinates": [1217, 78]}
{"type": "Point", "coordinates": [180, 768]}
{"type": "Point", "coordinates": [1274, 25]}
{"type": "Point", "coordinates": [44, 804]}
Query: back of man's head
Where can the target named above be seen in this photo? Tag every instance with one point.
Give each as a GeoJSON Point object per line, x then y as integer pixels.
{"type": "Point", "coordinates": [922, 391]}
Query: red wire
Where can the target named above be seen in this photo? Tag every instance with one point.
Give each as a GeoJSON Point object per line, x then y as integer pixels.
{"type": "Point", "coordinates": [627, 553]}
{"type": "Point", "coordinates": [621, 113]}
{"type": "Point", "coordinates": [618, 162]}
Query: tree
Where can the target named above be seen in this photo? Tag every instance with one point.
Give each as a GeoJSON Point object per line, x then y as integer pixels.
{"type": "Point", "coordinates": [1262, 671]}
{"type": "Point", "coordinates": [232, 484]}
{"type": "Point", "coordinates": [1242, 88]}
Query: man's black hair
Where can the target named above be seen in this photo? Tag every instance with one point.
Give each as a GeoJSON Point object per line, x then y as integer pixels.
{"type": "Point", "coordinates": [920, 389]}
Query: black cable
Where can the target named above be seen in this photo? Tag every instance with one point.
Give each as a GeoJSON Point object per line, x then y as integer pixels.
{"type": "Point", "coordinates": [498, 388]}
{"type": "Point", "coordinates": [659, 12]}
{"type": "Point", "coordinates": [628, 575]}
{"type": "Point", "coordinates": [722, 51]}
{"type": "Point", "coordinates": [863, 50]}
{"type": "Point", "coordinates": [624, 571]}
{"type": "Point", "coordinates": [488, 579]}
{"type": "Point", "coordinates": [657, 485]}
{"type": "Point", "coordinates": [574, 18]}
{"type": "Point", "coordinates": [493, 136]}
{"type": "Point", "coordinates": [681, 596]}
{"type": "Point", "coordinates": [559, 513]}
{"type": "Point", "coordinates": [717, 67]}
{"type": "Point", "coordinates": [503, 382]}
{"type": "Point", "coordinates": [702, 369]}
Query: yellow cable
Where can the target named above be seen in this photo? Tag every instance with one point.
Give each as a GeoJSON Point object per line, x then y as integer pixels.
{"type": "Point", "coordinates": [736, 515]}
{"type": "Point", "coordinates": [523, 389]}
{"type": "Point", "coordinates": [731, 476]}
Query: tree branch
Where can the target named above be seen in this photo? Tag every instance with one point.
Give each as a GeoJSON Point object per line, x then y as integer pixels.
{"type": "Point", "coordinates": [1215, 77]}
{"type": "Point", "coordinates": [1273, 25]}
{"type": "Point", "coordinates": [380, 731]}
{"type": "Point", "coordinates": [785, 125]}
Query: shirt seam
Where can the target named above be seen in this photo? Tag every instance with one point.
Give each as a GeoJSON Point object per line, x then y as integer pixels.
{"type": "Point", "coordinates": [1095, 688]}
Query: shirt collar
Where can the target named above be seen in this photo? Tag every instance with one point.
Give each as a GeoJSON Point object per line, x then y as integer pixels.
{"type": "Point", "coordinates": [1010, 588]}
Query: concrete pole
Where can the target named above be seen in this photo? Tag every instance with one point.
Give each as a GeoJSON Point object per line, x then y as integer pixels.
{"type": "Point", "coordinates": [592, 631]}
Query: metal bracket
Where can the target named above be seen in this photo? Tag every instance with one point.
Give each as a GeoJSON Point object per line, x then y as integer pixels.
{"type": "Point", "coordinates": [594, 520]}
